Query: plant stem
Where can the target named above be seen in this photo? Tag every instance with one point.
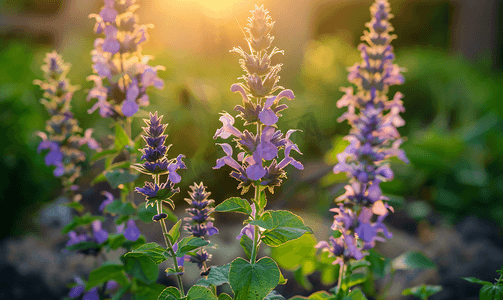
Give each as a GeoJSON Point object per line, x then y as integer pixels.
{"type": "Point", "coordinates": [169, 245]}
{"type": "Point", "coordinates": [255, 228]}
{"type": "Point", "coordinates": [341, 274]}
{"type": "Point", "coordinates": [388, 285]}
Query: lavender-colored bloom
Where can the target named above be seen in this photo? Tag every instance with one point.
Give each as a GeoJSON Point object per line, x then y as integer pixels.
{"type": "Point", "coordinates": [63, 134]}
{"type": "Point", "coordinates": [373, 138]}
{"type": "Point", "coordinates": [256, 162]}
{"type": "Point", "coordinates": [249, 230]}
{"type": "Point", "coordinates": [123, 73]}
{"type": "Point", "coordinates": [109, 199]}
{"type": "Point", "coordinates": [130, 231]}
{"type": "Point", "coordinates": [99, 236]}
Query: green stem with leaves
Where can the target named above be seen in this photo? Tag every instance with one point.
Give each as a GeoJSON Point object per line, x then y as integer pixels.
{"type": "Point", "coordinates": [169, 245]}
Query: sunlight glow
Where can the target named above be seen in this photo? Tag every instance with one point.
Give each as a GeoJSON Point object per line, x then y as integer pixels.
{"type": "Point", "coordinates": [217, 8]}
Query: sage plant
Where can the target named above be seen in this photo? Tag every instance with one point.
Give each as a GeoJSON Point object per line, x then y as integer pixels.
{"type": "Point", "coordinates": [157, 164]}
{"type": "Point", "coordinates": [122, 72]}
{"type": "Point", "coordinates": [257, 163]}
{"type": "Point", "coordinates": [373, 139]}
{"type": "Point", "coordinates": [62, 136]}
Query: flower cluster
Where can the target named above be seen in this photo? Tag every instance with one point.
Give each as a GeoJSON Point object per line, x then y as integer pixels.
{"type": "Point", "coordinates": [93, 293]}
{"type": "Point", "coordinates": [63, 134]}
{"type": "Point", "coordinates": [259, 107]}
{"type": "Point", "coordinates": [156, 163]}
{"type": "Point", "coordinates": [200, 224]}
{"type": "Point", "coordinates": [123, 73]}
{"type": "Point", "coordinates": [373, 139]}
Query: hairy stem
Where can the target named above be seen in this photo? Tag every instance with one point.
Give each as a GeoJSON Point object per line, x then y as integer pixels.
{"type": "Point", "coordinates": [255, 229]}
{"type": "Point", "coordinates": [169, 245]}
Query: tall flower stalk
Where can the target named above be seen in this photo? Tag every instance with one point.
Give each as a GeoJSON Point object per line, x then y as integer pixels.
{"type": "Point", "coordinates": [258, 163]}
{"type": "Point", "coordinates": [63, 136]}
{"type": "Point", "coordinates": [373, 139]}
{"type": "Point", "coordinates": [157, 164]}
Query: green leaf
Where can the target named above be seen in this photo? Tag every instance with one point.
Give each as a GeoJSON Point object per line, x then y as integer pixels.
{"type": "Point", "coordinates": [83, 246]}
{"type": "Point", "coordinates": [120, 208]}
{"type": "Point", "coordinates": [355, 294]}
{"type": "Point", "coordinates": [99, 178]}
{"type": "Point", "coordinates": [119, 176]}
{"type": "Point", "coordinates": [290, 255]}
{"type": "Point", "coordinates": [274, 295]}
{"type": "Point", "coordinates": [302, 279]}
{"type": "Point", "coordinates": [262, 201]}
{"type": "Point", "coordinates": [282, 279]}
{"type": "Point", "coordinates": [253, 282]}
{"type": "Point", "coordinates": [198, 292]}
{"type": "Point", "coordinates": [116, 241]}
{"type": "Point", "coordinates": [412, 260]}
{"type": "Point", "coordinates": [218, 276]}
{"type": "Point", "coordinates": [148, 291]}
{"type": "Point", "coordinates": [75, 205]}
{"type": "Point", "coordinates": [174, 232]}
{"type": "Point", "coordinates": [247, 245]}
{"type": "Point", "coordinates": [143, 268]}
{"type": "Point", "coordinates": [105, 153]}
{"type": "Point", "coordinates": [356, 278]}
{"type": "Point", "coordinates": [235, 204]}
{"type": "Point", "coordinates": [77, 221]}
{"type": "Point", "coordinates": [358, 264]}
{"type": "Point", "coordinates": [281, 226]}
{"type": "Point", "coordinates": [378, 263]}
{"type": "Point", "coordinates": [121, 138]}
{"type": "Point", "coordinates": [190, 243]}
{"type": "Point", "coordinates": [151, 250]}
{"type": "Point", "coordinates": [423, 291]}
{"type": "Point", "coordinates": [224, 296]}
{"type": "Point", "coordinates": [491, 292]}
{"type": "Point", "coordinates": [169, 293]}
{"type": "Point", "coordinates": [321, 295]}
{"type": "Point", "coordinates": [475, 280]}
{"type": "Point", "coordinates": [106, 273]}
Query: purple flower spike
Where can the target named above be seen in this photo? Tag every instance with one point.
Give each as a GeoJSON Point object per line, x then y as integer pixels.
{"type": "Point", "coordinates": [373, 138]}
{"type": "Point", "coordinates": [100, 235]}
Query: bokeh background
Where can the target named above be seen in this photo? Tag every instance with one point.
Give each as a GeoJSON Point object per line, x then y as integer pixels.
{"type": "Point", "coordinates": [452, 52]}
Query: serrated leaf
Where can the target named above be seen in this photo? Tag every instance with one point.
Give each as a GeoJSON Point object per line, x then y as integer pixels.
{"type": "Point", "coordinates": [121, 138]}
{"type": "Point", "coordinates": [218, 276]}
{"type": "Point", "coordinates": [119, 176]}
{"type": "Point", "coordinates": [247, 245]}
{"type": "Point", "coordinates": [198, 292]}
{"type": "Point", "coordinates": [116, 241]}
{"type": "Point", "coordinates": [235, 204]}
{"type": "Point", "coordinates": [169, 293]}
{"type": "Point", "coordinates": [151, 250]}
{"type": "Point", "coordinates": [106, 273]}
{"type": "Point", "coordinates": [148, 291]}
{"type": "Point", "coordinates": [412, 260]}
{"type": "Point", "coordinates": [143, 268]}
{"type": "Point", "coordinates": [174, 232]}
{"type": "Point", "coordinates": [253, 281]}
{"type": "Point", "coordinates": [281, 226]}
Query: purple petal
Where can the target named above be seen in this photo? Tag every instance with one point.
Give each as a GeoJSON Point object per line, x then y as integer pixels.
{"type": "Point", "coordinates": [256, 171]}
{"type": "Point", "coordinates": [211, 230]}
{"type": "Point", "coordinates": [108, 14]}
{"type": "Point", "coordinates": [132, 232]}
{"type": "Point", "coordinates": [111, 45]}
{"type": "Point", "coordinates": [248, 230]}
{"type": "Point", "coordinates": [129, 108]}
{"type": "Point", "coordinates": [238, 88]}
{"type": "Point", "coordinates": [268, 117]}
{"type": "Point", "coordinates": [92, 295]}
{"type": "Point", "coordinates": [76, 291]}
{"type": "Point", "coordinates": [109, 199]}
